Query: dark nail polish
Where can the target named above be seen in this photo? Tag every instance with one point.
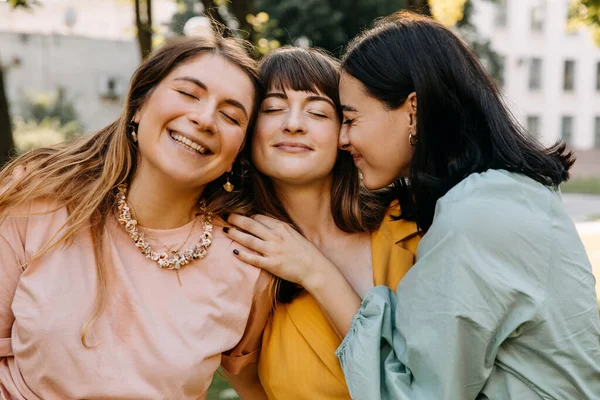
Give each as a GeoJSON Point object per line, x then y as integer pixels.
{"type": "Point", "coordinates": [236, 252]}
{"type": "Point", "coordinates": [226, 230]}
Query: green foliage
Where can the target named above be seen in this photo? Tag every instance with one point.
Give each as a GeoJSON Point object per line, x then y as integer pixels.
{"type": "Point", "coordinates": [45, 106]}
{"type": "Point", "coordinates": [586, 13]}
{"type": "Point", "coordinates": [218, 388]}
{"type": "Point", "coordinates": [30, 135]}
{"type": "Point", "coordinates": [582, 185]}
{"type": "Point", "coordinates": [23, 3]}
{"type": "Point", "coordinates": [326, 23]}
{"type": "Point", "coordinates": [185, 11]}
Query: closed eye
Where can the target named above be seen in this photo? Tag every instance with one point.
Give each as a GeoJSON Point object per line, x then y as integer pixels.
{"type": "Point", "coordinates": [186, 94]}
{"type": "Point", "coordinates": [271, 110]}
{"type": "Point", "coordinates": [348, 121]}
{"type": "Point", "coordinates": [231, 119]}
{"type": "Point", "coordinates": [318, 114]}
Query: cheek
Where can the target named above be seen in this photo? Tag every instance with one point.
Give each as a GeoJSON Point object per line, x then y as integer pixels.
{"type": "Point", "coordinates": [232, 143]}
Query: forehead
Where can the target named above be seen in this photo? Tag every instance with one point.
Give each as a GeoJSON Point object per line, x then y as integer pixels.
{"type": "Point", "coordinates": [220, 76]}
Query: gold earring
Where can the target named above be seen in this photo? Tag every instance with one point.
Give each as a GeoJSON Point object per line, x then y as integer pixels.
{"type": "Point", "coordinates": [412, 138]}
{"type": "Point", "coordinates": [134, 135]}
{"type": "Point", "coordinates": [228, 186]}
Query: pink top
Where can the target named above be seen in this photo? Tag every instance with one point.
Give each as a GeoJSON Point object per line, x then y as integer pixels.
{"type": "Point", "coordinates": [155, 339]}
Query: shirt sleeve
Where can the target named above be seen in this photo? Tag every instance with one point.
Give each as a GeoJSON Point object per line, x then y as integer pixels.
{"type": "Point", "coordinates": [12, 259]}
{"type": "Point", "coordinates": [479, 278]}
{"type": "Point", "coordinates": [248, 349]}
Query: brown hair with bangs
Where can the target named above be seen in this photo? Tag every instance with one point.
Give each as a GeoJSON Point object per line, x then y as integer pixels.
{"type": "Point", "coordinates": [354, 208]}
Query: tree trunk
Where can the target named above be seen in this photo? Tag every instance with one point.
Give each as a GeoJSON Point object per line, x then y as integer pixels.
{"type": "Point", "coordinates": [6, 139]}
{"type": "Point", "coordinates": [143, 23]}
{"type": "Point", "coordinates": [420, 6]}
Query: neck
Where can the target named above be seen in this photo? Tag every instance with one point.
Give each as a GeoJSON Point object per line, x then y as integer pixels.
{"type": "Point", "coordinates": [310, 209]}
{"type": "Point", "coordinates": [157, 204]}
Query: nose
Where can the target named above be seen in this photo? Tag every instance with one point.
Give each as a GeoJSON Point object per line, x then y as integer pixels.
{"type": "Point", "coordinates": [344, 141]}
{"type": "Point", "coordinates": [294, 123]}
{"type": "Point", "coordinates": [203, 118]}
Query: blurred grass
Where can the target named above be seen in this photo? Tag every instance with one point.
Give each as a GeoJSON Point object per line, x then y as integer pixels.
{"type": "Point", "coordinates": [582, 186]}
{"type": "Point", "coordinates": [218, 386]}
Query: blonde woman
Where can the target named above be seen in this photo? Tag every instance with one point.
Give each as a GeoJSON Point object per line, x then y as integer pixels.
{"type": "Point", "coordinates": [116, 280]}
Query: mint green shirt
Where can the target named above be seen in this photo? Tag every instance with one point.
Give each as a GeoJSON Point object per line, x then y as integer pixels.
{"type": "Point", "coordinates": [500, 305]}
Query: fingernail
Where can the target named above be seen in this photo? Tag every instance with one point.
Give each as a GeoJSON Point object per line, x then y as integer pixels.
{"type": "Point", "coordinates": [226, 230]}
{"type": "Point", "coordinates": [236, 252]}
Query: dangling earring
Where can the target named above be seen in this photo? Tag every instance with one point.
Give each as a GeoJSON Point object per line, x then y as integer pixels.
{"type": "Point", "coordinates": [133, 134]}
{"type": "Point", "coordinates": [412, 138]}
{"type": "Point", "coordinates": [228, 186]}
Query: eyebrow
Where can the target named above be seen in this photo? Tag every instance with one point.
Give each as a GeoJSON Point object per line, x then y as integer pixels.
{"type": "Point", "coordinates": [201, 85]}
{"type": "Point", "coordinates": [348, 108]}
{"type": "Point", "coordinates": [281, 95]}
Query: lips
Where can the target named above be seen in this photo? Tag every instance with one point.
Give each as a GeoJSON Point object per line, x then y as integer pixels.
{"type": "Point", "coordinates": [189, 143]}
{"type": "Point", "coordinates": [293, 146]}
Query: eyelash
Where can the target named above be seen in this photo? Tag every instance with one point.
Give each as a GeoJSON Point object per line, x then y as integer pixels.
{"type": "Point", "coordinates": [186, 94]}
{"type": "Point", "coordinates": [235, 121]}
{"type": "Point", "coordinates": [272, 110]}
{"type": "Point", "coordinates": [348, 121]}
{"type": "Point", "coordinates": [230, 118]}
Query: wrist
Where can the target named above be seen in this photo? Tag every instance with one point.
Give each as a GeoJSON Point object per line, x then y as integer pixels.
{"type": "Point", "coordinates": [321, 278]}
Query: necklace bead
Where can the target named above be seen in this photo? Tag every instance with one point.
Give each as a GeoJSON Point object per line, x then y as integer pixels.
{"type": "Point", "coordinates": [177, 260]}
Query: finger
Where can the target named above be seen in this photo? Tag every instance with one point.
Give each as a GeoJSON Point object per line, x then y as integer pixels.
{"type": "Point", "coordinates": [251, 226]}
{"type": "Point", "coordinates": [269, 222]}
{"type": "Point", "coordinates": [253, 259]}
{"type": "Point", "coordinates": [246, 240]}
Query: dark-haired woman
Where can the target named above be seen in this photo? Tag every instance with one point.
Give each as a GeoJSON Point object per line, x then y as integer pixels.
{"type": "Point", "coordinates": [501, 302]}
{"type": "Point", "coordinates": [300, 177]}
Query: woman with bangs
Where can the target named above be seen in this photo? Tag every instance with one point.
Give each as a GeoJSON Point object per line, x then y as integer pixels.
{"type": "Point", "coordinates": [301, 178]}
{"type": "Point", "coordinates": [116, 281]}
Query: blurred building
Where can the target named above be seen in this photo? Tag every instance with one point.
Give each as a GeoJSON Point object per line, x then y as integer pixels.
{"type": "Point", "coordinates": [86, 50]}
{"type": "Point", "coordinates": [551, 75]}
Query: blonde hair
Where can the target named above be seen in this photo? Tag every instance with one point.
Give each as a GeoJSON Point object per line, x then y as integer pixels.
{"type": "Point", "coordinates": [82, 175]}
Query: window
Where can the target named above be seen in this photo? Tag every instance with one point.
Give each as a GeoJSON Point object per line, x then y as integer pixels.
{"type": "Point", "coordinates": [566, 129]}
{"type": "Point", "coordinates": [597, 133]}
{"type": "Point", "coordinates": [535, 74]}
{"type": "Point", "coordinates": [598, 76]}
{"type": "Point", "coordinates": [569, 76]}
{"type": "Point", "coordinates": [501, 14]}
{"type": "Point", "coordinates": [533, 125]}
{"type": "Point", "coordinates": [537, 17]}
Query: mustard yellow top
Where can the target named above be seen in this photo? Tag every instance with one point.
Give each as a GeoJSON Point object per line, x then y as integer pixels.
{"type": "Point", "coordinates": [298, 360]}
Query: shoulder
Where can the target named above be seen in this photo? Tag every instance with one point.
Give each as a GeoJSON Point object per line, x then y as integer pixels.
{"type": "Point", "coordinates": [495, 205]}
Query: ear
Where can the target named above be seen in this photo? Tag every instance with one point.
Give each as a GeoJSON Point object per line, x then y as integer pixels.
{"type": "Point", "coordinates": [411, 103]}
{"type": "Point", "coordinates": [137, 117]}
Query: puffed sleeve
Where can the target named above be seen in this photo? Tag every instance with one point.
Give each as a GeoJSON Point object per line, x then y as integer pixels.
{"type": "Point", "coordinates": [248, 349]}
{"type": "Point", "coordinates": [479, 277]}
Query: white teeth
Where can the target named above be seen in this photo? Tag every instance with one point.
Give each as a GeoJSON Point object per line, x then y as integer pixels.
{"type": "Point", "coordinates": [193, 145]}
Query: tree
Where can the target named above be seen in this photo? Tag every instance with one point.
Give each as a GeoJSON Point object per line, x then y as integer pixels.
{"type": "Point", "coordinates": [6, 139]}
{"type": "Point", "coordinates": [587, 13]}
{"type": "Point", "coordinates": [143, 23]}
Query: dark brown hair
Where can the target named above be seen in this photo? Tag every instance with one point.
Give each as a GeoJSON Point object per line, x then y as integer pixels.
{"type": "Point", "coordinates": [354, 208]}
{"type": "Point", "coordinates": [463, 126]}
{"type": "Point", "coordinates": [83, 175]}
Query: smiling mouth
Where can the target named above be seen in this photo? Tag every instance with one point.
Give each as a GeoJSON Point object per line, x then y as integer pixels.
{"type": "Point", "coordinates": [187, 143]}
{"type": "Point", "coordinates": [292, 147]}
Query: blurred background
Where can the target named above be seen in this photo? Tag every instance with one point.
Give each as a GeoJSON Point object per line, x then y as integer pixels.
{"type": "Point", "coordinates": [65, 66]}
